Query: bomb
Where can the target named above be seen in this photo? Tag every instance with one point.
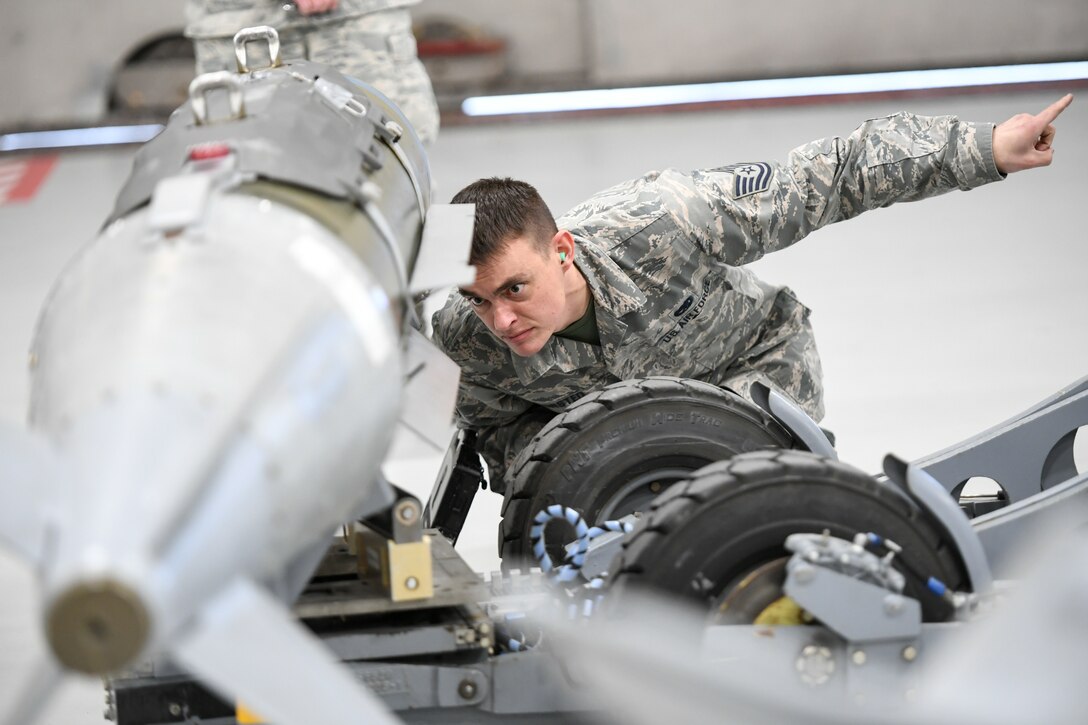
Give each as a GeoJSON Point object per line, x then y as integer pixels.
{"type": "Point", "coordinates": [216, 378]}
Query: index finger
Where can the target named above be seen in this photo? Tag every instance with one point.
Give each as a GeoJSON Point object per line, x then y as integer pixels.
{"type": "Point", "coordinates": [1052, 111]}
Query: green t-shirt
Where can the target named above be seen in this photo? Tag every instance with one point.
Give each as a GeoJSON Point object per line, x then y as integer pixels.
{"type": "Point", "coordinates": [584, 329]}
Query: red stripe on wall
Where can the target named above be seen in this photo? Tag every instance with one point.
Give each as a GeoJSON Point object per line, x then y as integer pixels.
{"type": "Point", "coordinates": [33, 173]}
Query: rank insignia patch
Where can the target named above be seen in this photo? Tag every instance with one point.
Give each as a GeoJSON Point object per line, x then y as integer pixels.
{"type": "Point", "coordinates": [750, 178]}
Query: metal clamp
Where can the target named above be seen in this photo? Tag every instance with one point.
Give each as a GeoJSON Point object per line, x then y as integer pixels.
{"type": "Point", "coordinates": [406, 570]}
{"type": "Point", "coordinates": [855, 609]}
{"type": "Point", "coordinates": [369, 193]}
{"type": "Point", "coordinates": [407, 520]}
{"type": "Point", "coordinates": [390, 133]}
{"type": "Point", "coordinates": [198, 92]}
{"type": "Point", "coordinates": [248, 35]}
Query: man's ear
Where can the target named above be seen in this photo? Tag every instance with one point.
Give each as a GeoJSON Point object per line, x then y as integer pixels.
{"type": "Point", "coordinates": [563, 246]}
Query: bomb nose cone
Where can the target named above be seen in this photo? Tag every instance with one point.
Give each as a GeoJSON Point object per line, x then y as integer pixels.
{"type": "Point", "coordinates": [97, 627]}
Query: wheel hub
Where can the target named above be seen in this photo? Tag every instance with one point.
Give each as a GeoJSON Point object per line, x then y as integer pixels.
{"type": "Point", "coordinates": [758, 599]}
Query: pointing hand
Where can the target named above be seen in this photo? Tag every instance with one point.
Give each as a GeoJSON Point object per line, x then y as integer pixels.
{"type": "Point", "coordinates": [1025, 141]}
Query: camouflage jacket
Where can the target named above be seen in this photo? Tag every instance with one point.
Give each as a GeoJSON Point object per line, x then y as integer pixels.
{"type": "Point", "coordinates": [663, 257]}
{"type": "Point", "coordinates": [223, 18]}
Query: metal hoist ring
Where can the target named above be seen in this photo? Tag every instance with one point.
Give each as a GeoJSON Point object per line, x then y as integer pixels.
{"type": "Point", "coordinates": [202, 84]}
{"type": "Point", "coordinates": [260, 32]}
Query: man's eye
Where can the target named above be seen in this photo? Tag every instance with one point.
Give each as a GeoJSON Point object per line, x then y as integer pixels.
{"type": "Point", "coordinates": [475, 301]}
{"type": "Point", "coordinates": [516, 289]}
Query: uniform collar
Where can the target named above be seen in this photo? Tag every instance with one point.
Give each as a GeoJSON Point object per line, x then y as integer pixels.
{"type": "Point", "coordinates": [612, 289]}
{"type": "Point", "coordinates": [614, 294]}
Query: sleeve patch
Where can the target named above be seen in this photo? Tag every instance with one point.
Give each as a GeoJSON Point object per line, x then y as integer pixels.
{"type": "Point", "coordinates": [750, 178]}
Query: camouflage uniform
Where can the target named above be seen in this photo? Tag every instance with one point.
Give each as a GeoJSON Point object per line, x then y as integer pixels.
{"type": "Point", "coordinates": [366, 39]}
{"type": "Point", "coordinates": [663, 257]}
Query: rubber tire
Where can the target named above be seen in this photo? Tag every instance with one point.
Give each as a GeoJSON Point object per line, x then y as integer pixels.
{"type": "Point", "coordinates": [585, 456]}
{"type": "Point", "coordinates": [705, 534]}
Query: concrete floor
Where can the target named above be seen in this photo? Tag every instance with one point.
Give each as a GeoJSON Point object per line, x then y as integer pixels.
{"type": "Point", "coordinates": [935, 320]}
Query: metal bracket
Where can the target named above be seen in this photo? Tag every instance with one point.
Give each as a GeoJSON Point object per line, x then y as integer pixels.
{"type": "Point", "coordinates": [247, 35]}
{"type": "Point", "coordinates": [402, 522]}
{"type": "Point", "coordinates": [405, 568]}
{"type": "Point", "coordinates": [459, 478]}
{"type": "Point", "coordinates": [390, 132]}
{"type": "Point", "coordinates": [198, 93]}
{"type": "Point", "coordinates": [857, 611]}
{"type": "Point", "coordinates": [802, 427]}
{"type": "Point", "coordinates": [394, 545]}
{"type": "Point", "coordinates": [932, 495]}
{"type": "Point", "coordinates": [861, 602]}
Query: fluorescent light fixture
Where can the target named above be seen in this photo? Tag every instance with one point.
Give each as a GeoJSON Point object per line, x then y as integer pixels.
{"type": "Point", "coordinates": [774, 88]}
{"type": "Point", "coordinates": [68, 138]}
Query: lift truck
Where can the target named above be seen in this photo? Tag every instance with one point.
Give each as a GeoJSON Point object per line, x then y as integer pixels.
{"type": "Point", "coordinates": [845, 566]}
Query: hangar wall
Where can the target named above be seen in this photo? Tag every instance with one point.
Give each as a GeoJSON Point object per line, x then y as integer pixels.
{"type": "Point", "coordinates": [67, 52]}
{"type": "Point", "coordinates": [651, 41]}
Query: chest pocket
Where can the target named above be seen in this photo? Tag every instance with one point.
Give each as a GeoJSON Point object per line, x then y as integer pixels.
{"type": "Point", "coordinates": [707, 323]}
{"type": "Point", "coordinates": [699, 312]}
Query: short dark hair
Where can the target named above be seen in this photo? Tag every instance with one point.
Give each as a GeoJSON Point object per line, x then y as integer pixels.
{"type": "Point", "coordinates": [505, 209]}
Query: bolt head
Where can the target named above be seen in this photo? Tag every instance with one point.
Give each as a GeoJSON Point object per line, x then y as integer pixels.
{"type": "Point", "coordinates": [815, 665]}
{"type": "Point", "coordinates": [407, 512]}
{"type": "Point", "coordinates": [858, 658]}
{"type": "Point", "coordinates": [467, 689]}
{"type": "Point", "coordinates": [893, 604]}
{"type": "Point", "coordinates": [395, 130]}
{"type": "Point", "coordinates": [411, 583]}
{"type": "Point", "coordinates": [910, 653]}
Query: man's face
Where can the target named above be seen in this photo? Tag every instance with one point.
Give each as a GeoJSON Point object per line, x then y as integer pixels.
{"type": "Point", "coordinates": [519, 295]}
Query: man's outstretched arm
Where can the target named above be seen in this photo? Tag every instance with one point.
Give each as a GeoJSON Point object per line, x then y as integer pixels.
{"type": "Point", "coordinates": [748, 210]}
